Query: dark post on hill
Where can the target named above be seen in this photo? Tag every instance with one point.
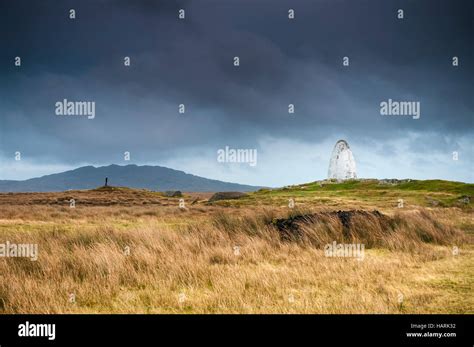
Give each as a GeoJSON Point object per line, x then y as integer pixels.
{"type": "Point", "coordinates": [106, 180]}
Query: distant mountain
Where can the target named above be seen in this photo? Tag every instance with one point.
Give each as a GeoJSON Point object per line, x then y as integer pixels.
{"type": "Point", "coordinates": [156, 178]}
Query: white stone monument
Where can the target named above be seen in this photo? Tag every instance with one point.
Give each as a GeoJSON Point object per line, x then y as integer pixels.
{"type": "Point", "coordinates": [342, 164]}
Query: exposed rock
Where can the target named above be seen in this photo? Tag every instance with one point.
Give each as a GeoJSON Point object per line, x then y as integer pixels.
{"type": "Point", "coordinates": [226, 196]}
{"type": "Point", "coordinates": [433, 202]}
{"type": "Point", "coordinates": [173, 194]}
{"type": "Point", "coordinates": [290, 228]}
{"type": "Point", "coordinates": [393, 181]}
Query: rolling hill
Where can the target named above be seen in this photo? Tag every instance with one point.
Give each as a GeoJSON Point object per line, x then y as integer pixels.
{"type": "Point", "coordinates": [147, 177]}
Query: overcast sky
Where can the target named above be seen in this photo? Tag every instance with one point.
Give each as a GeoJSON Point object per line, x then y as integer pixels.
{"type": "Point", "coordinates": [282, 62]}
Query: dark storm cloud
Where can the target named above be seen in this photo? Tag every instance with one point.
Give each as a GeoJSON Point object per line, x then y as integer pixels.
{"type": "Point", "coordinates": [190, 62]}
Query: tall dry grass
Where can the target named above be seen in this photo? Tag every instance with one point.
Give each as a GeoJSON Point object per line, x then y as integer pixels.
{"type": "Point", "coordinates": [211, 261]}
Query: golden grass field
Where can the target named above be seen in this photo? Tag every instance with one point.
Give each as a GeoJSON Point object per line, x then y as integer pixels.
{"type": "Point", "coordinates": [135, 251]}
